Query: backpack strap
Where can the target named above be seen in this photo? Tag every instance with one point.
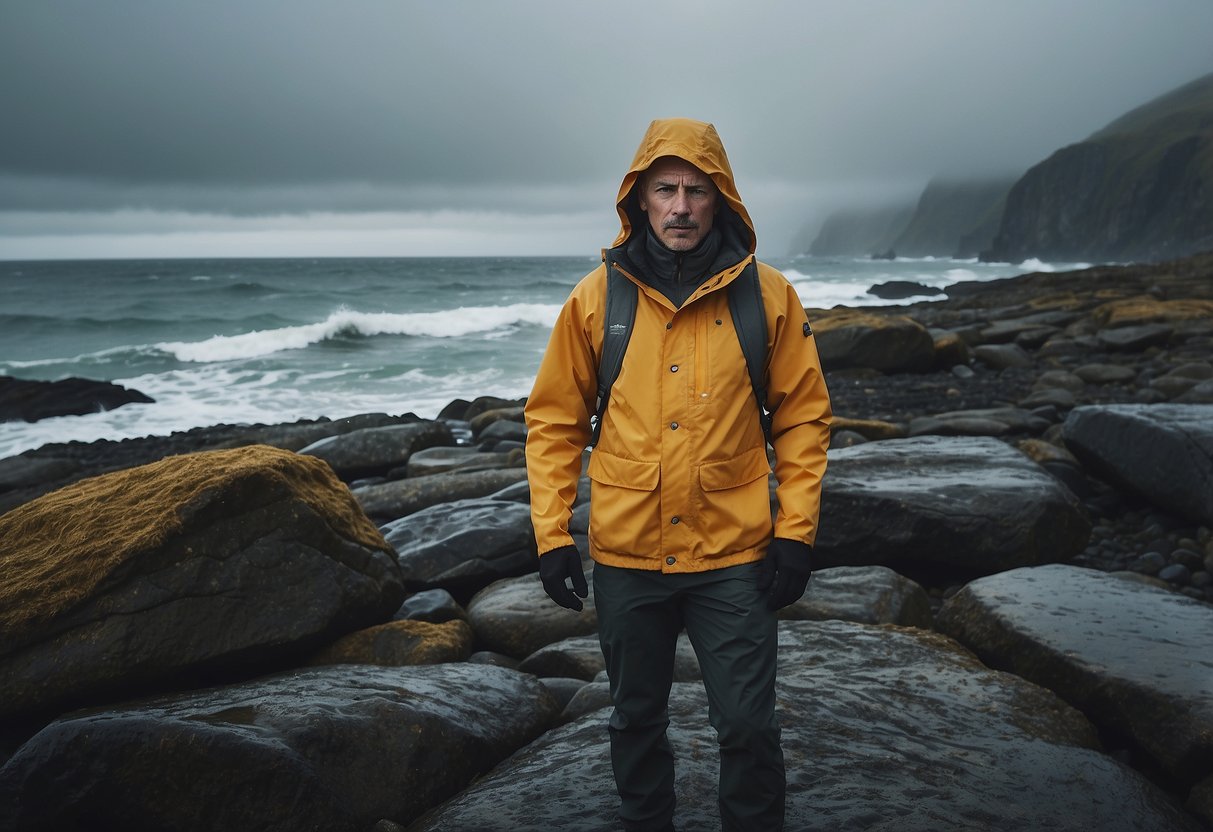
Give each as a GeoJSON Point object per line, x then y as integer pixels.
{"type": "Point", "coordinates": [750, 321]}
{"type": "Point", "coordinates": [621, 299]}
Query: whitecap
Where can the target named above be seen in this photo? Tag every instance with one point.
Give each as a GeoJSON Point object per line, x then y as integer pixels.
{"type": "Point", "coordinates": [449, 323]}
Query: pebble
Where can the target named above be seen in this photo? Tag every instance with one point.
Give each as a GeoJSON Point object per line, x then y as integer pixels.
{"type": "Point", "coordinates": [1151, 563]}
{"type": "Point", "coordinates": [1176, 574]}
{"type": "Point", "coordinates": [1188, 558]}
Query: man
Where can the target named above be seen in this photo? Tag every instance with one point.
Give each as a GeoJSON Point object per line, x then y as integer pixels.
{"type": "Point", "coordinates": [681, 529]}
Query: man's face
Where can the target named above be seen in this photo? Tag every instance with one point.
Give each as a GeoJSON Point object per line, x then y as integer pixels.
{"type": "Point", "coordinates": [680, 201]}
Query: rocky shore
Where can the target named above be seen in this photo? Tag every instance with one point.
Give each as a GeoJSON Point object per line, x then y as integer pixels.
{"type": "Point", "coordinates": [335, 624]}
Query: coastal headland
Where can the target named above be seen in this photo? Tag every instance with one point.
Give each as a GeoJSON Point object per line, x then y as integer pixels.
{"type": "Point", "coordinates": [335, 624]}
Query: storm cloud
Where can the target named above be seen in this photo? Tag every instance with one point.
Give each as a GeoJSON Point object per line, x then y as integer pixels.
{"type": "Point", "coordinates": [139, 117]}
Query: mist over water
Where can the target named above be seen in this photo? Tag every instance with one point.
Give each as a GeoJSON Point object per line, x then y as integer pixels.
{"type": "Point", "coordinates": [268, 340]}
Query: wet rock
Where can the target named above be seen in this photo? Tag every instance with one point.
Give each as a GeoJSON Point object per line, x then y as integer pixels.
{"type": "Point", "coordinates": [1135, 659]}
{"type": "Point", "coordinates": [433, 605]}
{"type": "Point", "coordinates": [393, 500]}
{"type": "Point", "coordinates": [1002, 356]}
{"type": "Point", "coordinates": [516, 617]}
{"type": "Point", "coordinates": [562, 689]}
{"type": "Point", "coordinates": [503, 430]}
{"type": "Point", "coordinates": [849, 338]}
{"type": "Point", "coordinates": [901, 289]}
{"type": "Point", "coordinates": [438, 460]}
{"type": "Point", "coordinates": [1176, 574]}
{"type": "Point", "coordinates": [593, 696]}
{"type": "Point", "coordinates": [579, 657]}
{"type": "Point", "coordinates": [945, 744]}
{"type": "Point", "coordinates": [204, 566]}
{"type": "Point", "coordinates": [1201, 393]}
{"type": "Point", "coordinates": [488, 417]}
{"type": "Point", "coordinates": [1150, 563]}
{"type": "Point", "coordinates": [1104, 373]}
{"type": "Point", "coordinates": [1058, 397]}
{"type": "Point", "coordinates": [327, 748]}
{"type": "Point", "coordinates": [1136, 338]}
{"type": "Point", "coordinates": [957, 425]}
{"type": "Point", "coordinates": [873, 429]}
{"type": "Point", "coordinates": [464, 545]}
{"type": "Point", "coordinates": [24, 400]}
{"type": "Point", "coordinates": [1163, 453]}
{"type": "Point", "coordinates": [971, 504]}
{"type": "Point", "coordinates": [951, 350]}
{"type": "Point", "coordinates": [400, 644]}
{"type": "Point", "coordinates": [374, 451]}
{"type": "Point", "coordinates": [865, 594]}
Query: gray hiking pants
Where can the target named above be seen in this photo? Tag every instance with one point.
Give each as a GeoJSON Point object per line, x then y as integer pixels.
{"type": "Point", "coordinates": [640, 615]}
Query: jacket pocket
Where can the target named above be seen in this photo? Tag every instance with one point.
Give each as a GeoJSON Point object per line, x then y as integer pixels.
{"type": "Point", "coordinates": [625, 517]}
{"type": "Point", "coordinates": [735, 513]}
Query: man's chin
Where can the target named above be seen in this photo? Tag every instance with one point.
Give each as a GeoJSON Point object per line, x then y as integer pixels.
{"type": "Point", "coordinates": [679, 243]}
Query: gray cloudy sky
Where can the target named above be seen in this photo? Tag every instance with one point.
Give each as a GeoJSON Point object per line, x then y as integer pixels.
{"type": "Point", "coordinates": [280, 127]}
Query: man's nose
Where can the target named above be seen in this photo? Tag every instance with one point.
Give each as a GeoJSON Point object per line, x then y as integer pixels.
{"type": "Point", "coordinates": [682, 202]}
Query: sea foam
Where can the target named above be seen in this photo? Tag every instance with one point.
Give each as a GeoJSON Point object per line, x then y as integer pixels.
{"type": "Point", "coordinates": [450, 323]}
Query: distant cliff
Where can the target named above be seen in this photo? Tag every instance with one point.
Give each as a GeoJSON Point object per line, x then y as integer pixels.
{"type": "Point", "coordinates": [861, 232]}
{"type": "Point", "coordinates": [1140, 189]}
{"type": "Point", "coordinates": [954, 218]}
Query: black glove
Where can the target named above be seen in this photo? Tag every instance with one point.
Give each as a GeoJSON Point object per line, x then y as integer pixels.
{"type": "Point", "coordinates": [785, 571]}
{"type": "Point", "coordinates": [557, 565]}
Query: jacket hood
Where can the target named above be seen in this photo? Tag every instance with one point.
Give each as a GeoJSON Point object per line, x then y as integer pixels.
{"type": "Point", "coordinates": [693, 141]}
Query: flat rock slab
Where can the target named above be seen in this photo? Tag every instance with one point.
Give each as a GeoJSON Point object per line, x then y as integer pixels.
{"type": "Point", "coordinates": [883, 728]}
{"type": "Point", "coordinates": [1161, 452]}
{"type": "Point", "coordinates": [330, 748]}
{"type": "Point", "coordinates": [200, 566]}
{"type": "Point", "coordinates": [392, 500]}
{"type": "Point", "coordinates": [1136, 659]}
{"type": "Point", "coordinates": [972, 504]}
{"type": "Point", "coordinates": [372, 451]}
{"type": "Point", "coordinates": [466, 544]}
{"type": "Point", "coordinates": [864, 594]}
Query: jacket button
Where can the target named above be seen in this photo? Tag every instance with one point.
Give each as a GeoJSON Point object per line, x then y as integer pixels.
{"type": "Point", "coordinates": [670, 561]}
{"type": "Point", "coordinates": [669, 325]}
{"type": "Point", "coordinates": [673, 426]}
{"type": "Point", "coordinates": [674, 368]}
{"type": "Point", "coordinates": [675, 519]}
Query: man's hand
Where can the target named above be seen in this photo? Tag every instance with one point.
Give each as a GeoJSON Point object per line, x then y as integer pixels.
{"type": "Point", "coordinates": [785, 571]}
{"type": "Point", "coordinates": [554, 568]}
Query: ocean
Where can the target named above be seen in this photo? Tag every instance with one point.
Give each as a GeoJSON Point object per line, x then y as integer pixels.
{"type": "Point", "coordinates": [230, 341]}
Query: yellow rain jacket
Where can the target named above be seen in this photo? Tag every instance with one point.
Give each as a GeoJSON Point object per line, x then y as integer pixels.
{"type": "Point", "coordinates": [680, 472]}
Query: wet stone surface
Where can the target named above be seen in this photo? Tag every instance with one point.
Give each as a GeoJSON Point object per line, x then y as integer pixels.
{"type": "Point", "coordinates": [883, 728]}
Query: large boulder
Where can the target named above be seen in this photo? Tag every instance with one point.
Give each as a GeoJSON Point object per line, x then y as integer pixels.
{"type": "Point", "coordinates": [972, 505]}
{"type": "Point", "coordinates": [370, 452]}
{"type": "Point", "coordinates": [1133, 657]}
{"type": "Point", "coordinates": [883, 728]}
{"type": "Point", "coordinates": [516, 617]}
{"type": "Point", "coordinates": [849, 338]}
{"type": "Point", "coordinates": [337, 749]}
{"type": "Point", "coordinates": [392, 500]}
{"type": "Point", "coordinates": [464, 545]}
{"type": "Point", "coordinates": [197, 567]}
{"type": "Point", "coordinates": [1161, 452]}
